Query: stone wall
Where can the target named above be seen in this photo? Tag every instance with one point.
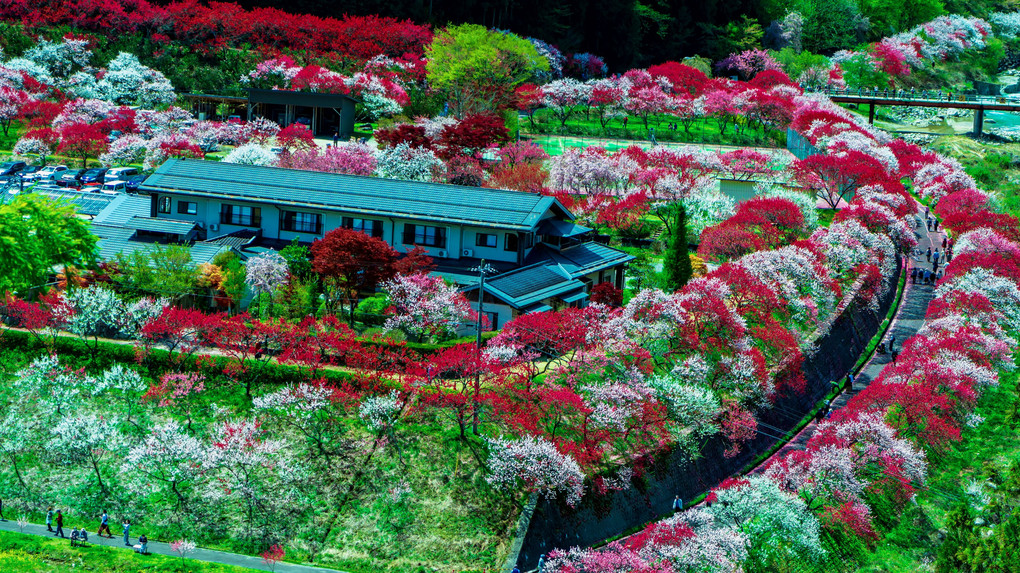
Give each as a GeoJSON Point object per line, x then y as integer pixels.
{"type": "Point", "coordinates": [598, 518]}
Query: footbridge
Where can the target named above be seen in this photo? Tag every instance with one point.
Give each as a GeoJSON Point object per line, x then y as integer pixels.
{"type": "Point", "coordinates": [927, 98]}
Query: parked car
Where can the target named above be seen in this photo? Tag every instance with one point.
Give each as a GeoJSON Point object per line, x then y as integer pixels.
{"type": "Point", "coordinates": [12, 167]}
{"type": "Point", "coordinates": [30, 173]}
{"type": "Point", "coordinates": [114, 187]}
{"type": "Point", "coordinates": [120, 173]}
{"type": "Point", "coordinates": [134, 182]}
{"type": "Point", "coordinates": [71, 178]}
{"type": "Point", "coordinates": [51, 172]}
{"type": "Point", "coordinates": [94, 176]}
{"type": "Point", "coordinates": [91, 189]}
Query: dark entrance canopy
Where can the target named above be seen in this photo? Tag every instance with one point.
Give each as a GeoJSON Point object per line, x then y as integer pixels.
{"type": "Point", "coordinates": [324, 113]}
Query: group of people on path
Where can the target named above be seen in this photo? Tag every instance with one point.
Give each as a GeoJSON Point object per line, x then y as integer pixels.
{"type": "Point", "coordinates": [77, 535]}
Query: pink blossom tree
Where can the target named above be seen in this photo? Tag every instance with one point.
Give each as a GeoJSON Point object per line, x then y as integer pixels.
{"type": "Point", "coordinates": [425, 306]}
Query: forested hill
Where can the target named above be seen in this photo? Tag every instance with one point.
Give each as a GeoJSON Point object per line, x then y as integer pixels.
{"type": "Point", "coordinates": [635, 33]}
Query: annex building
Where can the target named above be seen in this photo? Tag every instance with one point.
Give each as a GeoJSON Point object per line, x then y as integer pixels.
{"type": "Point", "coordinates": [541, 259]}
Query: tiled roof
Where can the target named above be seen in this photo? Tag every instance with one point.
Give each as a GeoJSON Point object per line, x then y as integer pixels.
{"type": "Point", "coordinates": [123, 208]}
{"type": "Point", "coordinates": [352, 194]}
{"type": "Point", "coordinates": [154, 225]}
{"type": "Point", "coordinates": [528, 285]}
{"type": "Point", "coordinates": [580, 259]}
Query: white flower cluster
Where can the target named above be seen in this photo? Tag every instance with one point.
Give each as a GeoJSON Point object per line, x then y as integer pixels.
{"type": "Point", "coordinates": [535, 464]}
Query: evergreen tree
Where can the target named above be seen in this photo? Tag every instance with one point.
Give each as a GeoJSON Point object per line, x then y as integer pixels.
{"type": "Point", "coordinates": [677, 262]}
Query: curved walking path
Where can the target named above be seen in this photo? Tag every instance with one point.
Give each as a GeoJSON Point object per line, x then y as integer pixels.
{"type": "Point", "coordinates": [160, 548]}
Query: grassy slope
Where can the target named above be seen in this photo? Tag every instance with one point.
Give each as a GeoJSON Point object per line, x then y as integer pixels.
{"type": "Point", "coordinates": [912, 545]}
{"type": "Point", "coordinates": [32, 554]}
{"type": "Point", "coordinates": [452, 518]}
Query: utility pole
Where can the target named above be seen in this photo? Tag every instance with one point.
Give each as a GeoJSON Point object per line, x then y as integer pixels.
{"type": "Point", "coordinates": [483, 269]}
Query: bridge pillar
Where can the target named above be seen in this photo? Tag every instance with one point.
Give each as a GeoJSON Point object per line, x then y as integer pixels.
{"type": "Point", "coordinates": [871, 114]}
{"type": "Point", "coordinates": [979, 120]}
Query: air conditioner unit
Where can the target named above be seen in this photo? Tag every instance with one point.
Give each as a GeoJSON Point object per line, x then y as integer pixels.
{"type": "Point", "coordinates": [214, 227]}
{"type": "Point", "coordinates": [467, 253]}
{"type": "Point", "coordinates": [442, 254]}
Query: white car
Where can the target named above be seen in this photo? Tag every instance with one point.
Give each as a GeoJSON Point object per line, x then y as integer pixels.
{"type": "Point", "coordinates": [91, 189]}
{"type": "Point", "coordinates": [114, 187]}
{"type": "Point", "coordinates": [120, 174]}
{"type": "Point", "coordinates": [50, 172]}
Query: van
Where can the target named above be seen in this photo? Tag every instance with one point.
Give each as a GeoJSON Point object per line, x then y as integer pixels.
{"type": "Point", "coordinates": [114, 187]}
{"type": "Point", "coordinates": [121, 173]}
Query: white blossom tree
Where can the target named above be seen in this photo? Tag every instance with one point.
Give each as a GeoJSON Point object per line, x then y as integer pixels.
{"type": "Point", "coordinates": [535, 464]}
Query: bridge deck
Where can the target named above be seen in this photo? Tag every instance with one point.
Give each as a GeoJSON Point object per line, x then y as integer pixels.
{"type": "Point", "coordinates": [986, 103]}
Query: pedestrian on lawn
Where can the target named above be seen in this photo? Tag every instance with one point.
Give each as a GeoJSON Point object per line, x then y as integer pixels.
{"type": "Point", "coordinates": [678, 504]}
{"type": "Point", "coordinates": [49, 519]}
{"type": "Point", "coordinates": [2, 509]}
{"type": "Point", "coordinates": [60, 525]}
{"type": "Point", "coordinates": [104, 524]}
{"type": "Point", "coordinates": [127, 528]}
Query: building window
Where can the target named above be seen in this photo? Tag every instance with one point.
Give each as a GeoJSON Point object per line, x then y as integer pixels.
{"type": "Point", "coordinates": [241, 215]}
{"type": "Point", "coordinates": [164, 205]}
{"type": "Point", "coordinates": [298, 222]}
{"type": "Point", "coordinates": [425, 236]}
{"type": "Point", "coordinates": [187, 208]}
{"type": "Point", "coordinates": [511, 242]}
{"type": "Point", "coordinates": [370, 227]}
{"type": "Point", "coordinates": [485, 240]}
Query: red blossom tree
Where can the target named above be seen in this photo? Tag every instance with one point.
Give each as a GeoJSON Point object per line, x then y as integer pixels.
{"type": "Point", "coordinates": [82, 140]}
{"type": "Point", "coordinates": [350, 262]}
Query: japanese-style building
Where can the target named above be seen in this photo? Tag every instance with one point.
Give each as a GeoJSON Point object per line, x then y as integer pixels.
{"type": "Point", "coordinates": [541, 259]}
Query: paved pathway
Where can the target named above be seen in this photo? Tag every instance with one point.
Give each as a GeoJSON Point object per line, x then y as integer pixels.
{"type": "Point", "coordinates": [159, 548]}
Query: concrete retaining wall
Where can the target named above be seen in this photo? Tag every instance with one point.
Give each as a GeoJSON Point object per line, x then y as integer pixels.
{"type": "Point", "coordinates": [598, 518]}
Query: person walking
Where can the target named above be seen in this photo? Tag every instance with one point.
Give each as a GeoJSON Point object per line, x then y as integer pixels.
{"type": "Point", "coordinates": [2, 509]}
{"type": "Point", "coordinates": [516, 569]}
{"type": "Point", "coordinates": [127, 529]}
{"type": "Point", "coordinates": [913, 275]}
{"type": "Point", "coordinates": [943, 243]}
{"type": "Point", "coordinates": [678, 504]}
{"type": "Point", "coordinates": [927, 277]}
{"type": "Point", "coordinates": [60, 525]}
{"type": "Point", "coordinates": [49, 519]}
{"type": "Point", "coordinates": [935, 256]}
{"type": "Point", "coordinates": [892, 340]}
{"type": "Point", "coordinates": [926, 212]}
{"type": "Point", "coordinates": [849, 380]}
{"type": "Point", "coordinates": [104, 524]}
{"type": "Point", "coordinates": [541, 563]}
{"type": "Point", "coordinates": [336, 138]}
{"type": "Point", "coordinates": [935, 267]}
{"type": "Point", "coordinates": [936, 224]}
{"type": "Point", "coordinates": [928, 254]}
{"type": "Point", "coordinates": [895, 353]}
